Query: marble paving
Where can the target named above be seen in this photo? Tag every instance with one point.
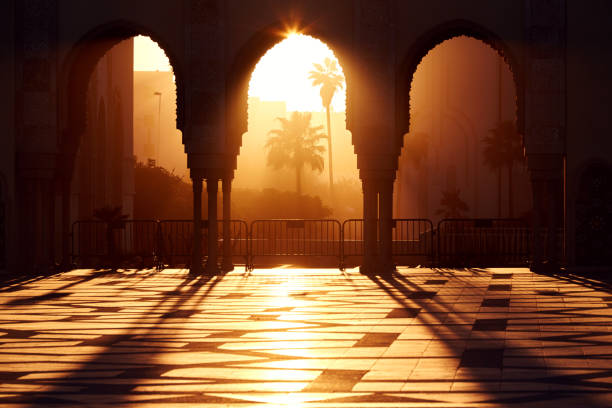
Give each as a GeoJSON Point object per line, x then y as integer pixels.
{"type": "Point", "coordinates": [306, 338]}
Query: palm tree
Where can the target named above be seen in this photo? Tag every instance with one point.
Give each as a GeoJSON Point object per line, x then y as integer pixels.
{"type": "Point", "coordinates": [327, 76]}
{"type": "Point", "coordinates": [503, 149]}
{"type": "Point", "coordinates": [113, 219]}
{"type": "Point", "coordinates": [295, 145]}
{"type": "Point", "coordinates": [451, 204]}
{"type": "Point", "coordinates": [513, 153]}
{"type": "Point", "coordinates": [416, 148]}
{"type": "Point", "coordinates": [493, 157]}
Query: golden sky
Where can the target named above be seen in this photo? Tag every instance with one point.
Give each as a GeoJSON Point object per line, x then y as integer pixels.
{"type": "Point", "coordinates": [280, 75]}
{"type": "Point", "coordinates": [148, 56]}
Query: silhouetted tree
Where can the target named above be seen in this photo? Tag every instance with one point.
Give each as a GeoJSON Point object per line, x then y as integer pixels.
{"type": "Point", "coordinates": [416, 150]}
{"type": "Point", "coordinates": [451, 204]}
{"type": "Point", "coordinates": [328, 77]}
{"type": "Point", "coordinates": [494, 159]}
{"type": "Point", "coordinates": [295, 145]}
{"type": "Point", "coordinates": [503, 148]}
{"type": "Point", "coordinates": [513, 153]}
{"type": "Point", "coordinates": [114, 219]}
{"type": "Point", "coordinates": [160, 194]}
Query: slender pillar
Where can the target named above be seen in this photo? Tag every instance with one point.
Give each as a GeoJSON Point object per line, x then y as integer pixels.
{"type": "Point", "coordinates": [553, 200]}
{"type": "Point", "coordinates": [212, 186]}
{"type": "Point", "coordinates": [196, 261]}
{"type": "Point", "coordinates": [385, 263]}
{"type": "Point", "coordinates": [370, 213]}
{"type": "Point", "coordinates": [66, 227]}
{"type": "Point", "coordinates": [536, 227]}
{"type": "Point", "coordinates": [227, 216]}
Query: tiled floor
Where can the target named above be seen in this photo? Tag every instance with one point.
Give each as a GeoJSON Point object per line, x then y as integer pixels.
{"type": "Point", "coordinates": [307, 338]}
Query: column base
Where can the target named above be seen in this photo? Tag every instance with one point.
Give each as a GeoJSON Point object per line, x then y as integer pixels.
{"type": "Point", "coordinates": [545, 267]}
{"type": "Point", "coordinates": [211, 269]}
{"type": "Point", "coordinates": [196, 268]}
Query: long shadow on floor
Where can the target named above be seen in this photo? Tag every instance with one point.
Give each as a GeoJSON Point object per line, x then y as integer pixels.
{"type": "Point", "coordinates": [119, 349]}
{"type": "Point", "coordinates": [502, 354]}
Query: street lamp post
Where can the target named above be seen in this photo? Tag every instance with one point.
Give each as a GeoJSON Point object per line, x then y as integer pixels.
{"type": "Point", "coordinates": [158, 125]}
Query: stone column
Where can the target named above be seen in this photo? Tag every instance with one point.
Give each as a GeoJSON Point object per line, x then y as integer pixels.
{"type": "Point", "coordinates": [385, 257]}
{"type": "Point", "coordinates": [537, 253]}
{"type": "Point", "coordinates": [196, 261]}
{"type": "Point", "coordinates": [212, 186]}
{"type": "Point", "coordinates": [547, 218]}
{"type": "Point", "coordinates": [370, 215]}
{"type": "Point", "coordinates": [554, 198]}
{"type": "Point", "coordinates": [227, 216]}
{"type": "Point", "coordinates": [66, 225]}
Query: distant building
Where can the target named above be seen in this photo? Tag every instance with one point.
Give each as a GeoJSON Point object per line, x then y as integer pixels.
{"type": "Point", "coordinates": [104, 168]}
{"type": "Point", "coordinates": [155, 133]}
{"type": "Point", "coordinates": [253, 170]}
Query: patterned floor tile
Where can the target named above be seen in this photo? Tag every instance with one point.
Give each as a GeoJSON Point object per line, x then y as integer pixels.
{"type": "Point", "coordinates": [295, 337]}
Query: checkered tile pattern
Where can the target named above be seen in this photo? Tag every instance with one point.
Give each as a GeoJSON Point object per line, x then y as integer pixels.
{"type": "Point", "coordinates": [308, 338]}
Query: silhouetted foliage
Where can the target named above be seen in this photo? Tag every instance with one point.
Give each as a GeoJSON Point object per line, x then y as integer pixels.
{"type": "Point", "coordinates": [161, 194]}
{"type": "Point", "coordinates": [327, 76]}
{"type": "Point", "coordinates": [270, 203]}
{"type": "Point", "coordinates": [295, 145]}
{"type": "Point", "coordinates": [349, 200]}
{"type": "Point", "coordinates": [451, 204]}
{"type": "Point", "coordinates": [503, 148]}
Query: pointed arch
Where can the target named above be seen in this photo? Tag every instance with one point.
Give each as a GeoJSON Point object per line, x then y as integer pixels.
{"type": "Point", "coordinates": [429, 41]}
{"type": "Point", "coordinates": [76, 72]}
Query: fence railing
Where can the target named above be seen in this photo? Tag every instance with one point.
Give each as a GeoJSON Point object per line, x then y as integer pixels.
{"type": "Point", "coordinates": [411, 238]}
{"type": "Point", "coordinates": [483, 242]}
{"type": "Point", "coordinates": [455, 242]}
{"type": "Point", "coordinates": [93, 243]}
{"type": "Point", "coordinates": [296, 238]}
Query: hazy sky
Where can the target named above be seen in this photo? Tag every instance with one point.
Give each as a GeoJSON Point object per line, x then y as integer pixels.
{"type": "Point", "coordinates": [148, 56]}
{"type": "Point", "coordinates": [282, 74]}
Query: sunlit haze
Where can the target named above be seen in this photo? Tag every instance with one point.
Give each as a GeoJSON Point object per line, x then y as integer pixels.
{"type": "Point", "coordinates": [282, 75]}
{"type": "Point", "coordinates": [148, 56]}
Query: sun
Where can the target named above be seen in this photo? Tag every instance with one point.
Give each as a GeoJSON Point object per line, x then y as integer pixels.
{"type": "Point", "coordinates": [282, 74]}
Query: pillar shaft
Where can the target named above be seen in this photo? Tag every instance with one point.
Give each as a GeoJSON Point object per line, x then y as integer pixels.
{"type": "Point", "coordinates": [66, 227]}
{"type": "Point", "coordinates": [385, 263]}
{"type": "Point", "coordinates": [227, 216]}
{"type": "Point", "coordinates": [196, 261]}
{"type": "Point", "coordinates": [212, 187]}
{"type": "Point", "coordinates": [370, 214]}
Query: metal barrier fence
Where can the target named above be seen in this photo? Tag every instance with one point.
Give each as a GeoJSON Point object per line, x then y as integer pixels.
{"type": "Point", "coordinates": [296, 238]}
{"type": "Point", "coordinates": [176, 240]}
{"type": "Point", "coordinates": [93, 243]}
{"type": "Point", "coordinates": [411, 238]}
{"type": "Point", "coordinates": [460, 242]}
{"type": "Point", "coordinates": [483, 242]}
